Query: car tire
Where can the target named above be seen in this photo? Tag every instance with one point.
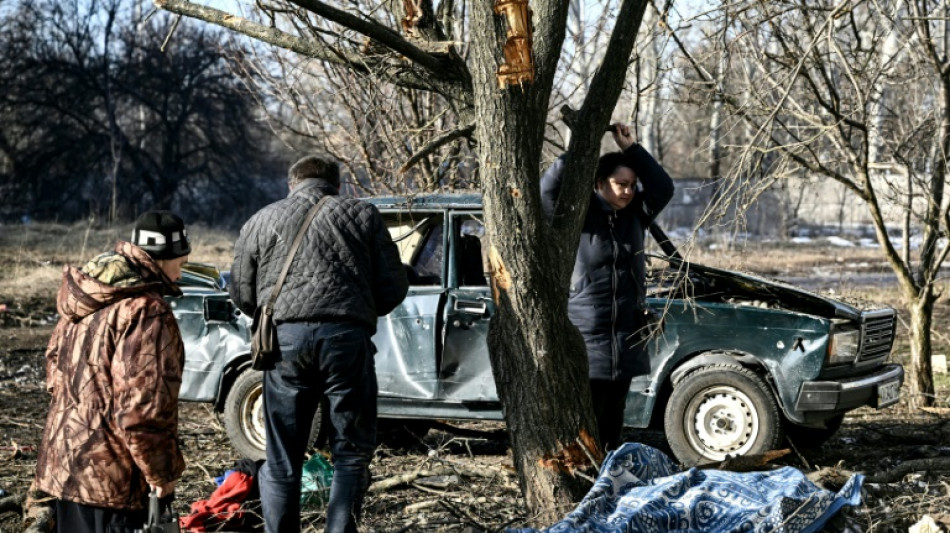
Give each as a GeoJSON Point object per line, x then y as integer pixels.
{"type": "Point", "coordinates": [244, 416]}
{"type": "Point", "coordinates": [808, 438]}
{"type": "Point", "coordinates": [721, 410]}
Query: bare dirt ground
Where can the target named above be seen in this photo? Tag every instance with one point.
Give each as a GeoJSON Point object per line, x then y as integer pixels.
{"type": "Point", "coordinates": [459, 477]}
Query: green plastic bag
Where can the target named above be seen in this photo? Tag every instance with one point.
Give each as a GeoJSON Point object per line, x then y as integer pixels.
{"type": "Point", "coordinates": [315, 483]}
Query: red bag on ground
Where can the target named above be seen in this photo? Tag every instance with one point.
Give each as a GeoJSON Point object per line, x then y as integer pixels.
{"type": "Point", "coordinates": [224, 509]}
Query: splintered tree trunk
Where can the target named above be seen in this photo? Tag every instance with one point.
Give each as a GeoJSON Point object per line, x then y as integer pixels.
{"type": "Point", "coordinates": [920, 378]}
{"type": "Point", "coordinates": [535, 363]}
{"type": "Point", "coordinates": [538, 357]}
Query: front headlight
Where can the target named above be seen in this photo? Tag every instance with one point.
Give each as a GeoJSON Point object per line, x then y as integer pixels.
{"type": "Point", "coordinates": [843, 347]}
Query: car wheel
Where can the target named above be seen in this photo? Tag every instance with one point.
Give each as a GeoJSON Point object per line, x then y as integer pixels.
{"type": "Point", "coordinates": [808, 438]}
{"type": "Point", "coordinates": [721, 410]}
{"type": "Point", "coordinates": [244, 416]}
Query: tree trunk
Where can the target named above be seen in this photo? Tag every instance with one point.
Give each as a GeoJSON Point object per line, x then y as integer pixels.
{"type": "Point", "coordinates": [538, 357]}
{"type": "Point", "coordinates": [554, 421]}
{"type": "Point", "coordinates": [920, 378]}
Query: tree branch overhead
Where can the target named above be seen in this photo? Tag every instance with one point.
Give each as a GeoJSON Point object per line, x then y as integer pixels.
{"type": "Point", "coordinates": [407, 66]}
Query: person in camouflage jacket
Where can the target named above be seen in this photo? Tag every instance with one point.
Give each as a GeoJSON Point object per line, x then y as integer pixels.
{"type": "Point", "coordinates": [113, 368]}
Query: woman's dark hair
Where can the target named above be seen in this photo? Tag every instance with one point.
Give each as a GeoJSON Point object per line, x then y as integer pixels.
{"type": "Point", "coordinates": [607, 164]}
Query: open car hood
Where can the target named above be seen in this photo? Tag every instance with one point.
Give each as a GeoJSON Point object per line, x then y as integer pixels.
{"type": "Point", "coordinates": [729, 285]}
{"type": "Point", "coordinates": [746, 286]}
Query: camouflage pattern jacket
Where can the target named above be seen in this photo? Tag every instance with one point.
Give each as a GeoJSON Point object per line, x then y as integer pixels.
{"type": "Point", "coordinates": [113, 367]}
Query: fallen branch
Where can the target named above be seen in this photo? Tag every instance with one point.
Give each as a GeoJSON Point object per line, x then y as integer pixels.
{"type": "Point", "coordinates": [407, 526]}
{"type": "Point", "coordinates": [938, 464]}
{"type": "Point", "coordinates": [430, 490]}
{"type": "Point", "coordinates": [837, 476]}
{"type": "Point", "coordinates": [420, 506]}
{"type": "Point", "coordinates": [203, 469]}
{"type": "Point", "coordinates": [484, 471]}
{"type": "Point", "coordinates": [747, 463]}
{"type": "Point", "coordinates": [407, 478]}
{"type": "Point", "coordinates": [463, 515]}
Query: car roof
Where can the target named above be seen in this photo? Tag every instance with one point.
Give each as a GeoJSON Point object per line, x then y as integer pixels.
{"type": "Point", "coordinates": [467, 200]}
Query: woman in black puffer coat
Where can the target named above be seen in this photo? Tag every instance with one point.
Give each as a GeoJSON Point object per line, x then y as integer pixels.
{"type": "Point", "coordinates": [608, 286]}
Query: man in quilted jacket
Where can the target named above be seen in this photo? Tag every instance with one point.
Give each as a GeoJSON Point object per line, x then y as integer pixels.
{"type": "Point", "coordinates": [345, 275]}
{"type": "Point", "coordinates": [113, 368]}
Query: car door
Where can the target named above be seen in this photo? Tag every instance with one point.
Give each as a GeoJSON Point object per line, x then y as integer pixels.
{"type": "Point", "coordinates": [465, 370]}
{"type": "Point", "coordinates": [211, 334]}
{"type": "Point", "coordinates": [406, 338]}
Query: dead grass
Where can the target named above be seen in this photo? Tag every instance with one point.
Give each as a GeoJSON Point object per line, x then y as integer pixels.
{"type": "Point", "coordinates": [32, 257]}
{"type": "Point", "coordinates": [786, 258]}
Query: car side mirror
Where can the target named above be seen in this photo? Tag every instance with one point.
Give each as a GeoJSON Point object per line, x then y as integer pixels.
{"type": "Point", "coordinates": [219, 310]}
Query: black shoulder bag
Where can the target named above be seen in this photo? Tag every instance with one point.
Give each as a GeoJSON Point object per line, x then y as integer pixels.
{"type": "Point", "coordinates": [264, 345]}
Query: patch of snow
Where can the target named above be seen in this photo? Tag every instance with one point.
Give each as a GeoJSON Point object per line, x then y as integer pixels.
{"type": "Point", "coordinates": [834, 240]}
{"type": "Point", "coordinates": [801, 240]}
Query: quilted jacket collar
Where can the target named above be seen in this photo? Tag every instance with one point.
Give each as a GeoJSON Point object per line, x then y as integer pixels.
{"type": "Point", "coordinates": [311, 186]}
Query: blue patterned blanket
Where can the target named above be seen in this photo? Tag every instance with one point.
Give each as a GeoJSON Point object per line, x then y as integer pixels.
{"type": "Point", "coordinates": [641, 490]}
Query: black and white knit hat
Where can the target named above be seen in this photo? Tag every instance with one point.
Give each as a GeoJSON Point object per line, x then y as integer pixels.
{"type": "Point", "coordinates": [162, 234]}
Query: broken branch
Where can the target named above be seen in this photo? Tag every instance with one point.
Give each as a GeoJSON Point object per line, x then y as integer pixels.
{"type": "Point", "coordinates": [377, 32]}
{"type": "Point", "coordinates": [407, 478]}
{"type": "Point", "coordinates": [939, 464]}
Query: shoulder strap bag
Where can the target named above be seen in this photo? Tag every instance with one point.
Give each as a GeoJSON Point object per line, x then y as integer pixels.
{"type": "Point", "coordinates": [264, 345]}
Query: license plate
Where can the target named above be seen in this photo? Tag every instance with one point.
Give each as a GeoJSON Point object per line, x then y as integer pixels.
{"type": "Point", "coordinates": [888, 393]}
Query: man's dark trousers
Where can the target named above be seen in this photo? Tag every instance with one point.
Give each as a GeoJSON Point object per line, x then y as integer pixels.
{"type": "Point", "coordinates": [318, 358]}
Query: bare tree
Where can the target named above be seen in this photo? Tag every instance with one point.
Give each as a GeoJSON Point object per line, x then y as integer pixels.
{"type": "Point", "coordinates": [820, 93]}
{"type": "Point", "coordinates": [376, 130]}
{"type": "Point", "coordinates": [44, 137]}
{"type": "Point", "coordinates": [537, 355]}
{"type": "Point", "coordinates": [95, 109]}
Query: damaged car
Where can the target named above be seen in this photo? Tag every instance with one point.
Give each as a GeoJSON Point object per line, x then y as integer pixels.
{"type": "Point", "coordinates": [738, 363]}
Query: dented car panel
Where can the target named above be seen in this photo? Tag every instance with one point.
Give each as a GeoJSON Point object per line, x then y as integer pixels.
{"type": "Point", "coordinates": [465, 369]}
{"type": "Point", "coordinates": [432, 359]}
{"type": "Point", "coordinates": [790, 346]}
{"type": "Point", "coordinates": [215, 334]}
{"type": "Point", "coordinates": [405, 348]}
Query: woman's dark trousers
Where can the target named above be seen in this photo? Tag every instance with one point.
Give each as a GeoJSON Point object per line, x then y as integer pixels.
{"type": "Point", "coordinates": [609, 399]}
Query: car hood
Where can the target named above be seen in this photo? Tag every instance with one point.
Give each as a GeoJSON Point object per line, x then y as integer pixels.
{"type": "Point", "coordinates": [781, 294]}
